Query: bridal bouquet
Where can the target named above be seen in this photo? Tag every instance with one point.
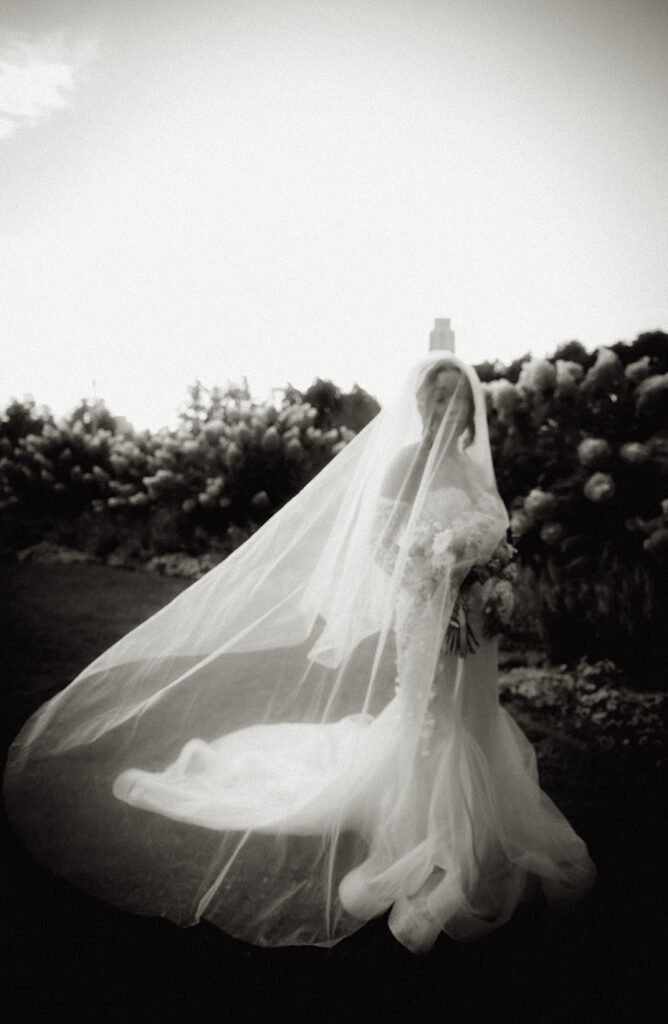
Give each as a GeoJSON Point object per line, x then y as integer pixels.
{"type": "Point", "coordinates": [496, 578]}
{"type": "Point", "coordinates": [435, 553]}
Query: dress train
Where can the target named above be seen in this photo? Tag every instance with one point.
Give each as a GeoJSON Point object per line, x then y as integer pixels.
{"type": "Point", "coordinates": [454, 845]}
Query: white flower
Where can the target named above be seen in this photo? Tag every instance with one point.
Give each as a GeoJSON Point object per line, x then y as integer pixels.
{"type": "Point", "coordinates": [606, 374]}
{"type": "Point", "coordinates": [504, 600]}
{"type": "Point", "coordinates": [635, 453]}
{"type": "Point", "coordinates": [652, 396]}
{"type": "Point", "coordinates": [551, 532]}
{"type": "Point", "coordinates": [417, 540]}
{"type": "Point", "coordinates": [594, 451]}
{"type": "Point", "coordinates": [568, 373]}
{"type": "Point", "coordinates": [540, 504]}
{"type": "Point", "coordinates": [639, 370]}
{"type": "Point", "coordinates": [505, 398]}
{"type": "Point", "coordinates": [599, 487]}
{"type": "Point", "coordinates": [519, 523]}
{"type": "Point", "coordinates": [537, 375]}
{"type": "Point", "coordinates": [442, 554]}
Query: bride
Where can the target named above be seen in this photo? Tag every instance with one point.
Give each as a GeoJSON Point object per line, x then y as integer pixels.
{"type": "Point", "coordinates": [290, 747]}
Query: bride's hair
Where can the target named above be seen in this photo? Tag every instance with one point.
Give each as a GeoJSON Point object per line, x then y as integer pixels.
{"type": "Point", "coordinates": [427, 384]}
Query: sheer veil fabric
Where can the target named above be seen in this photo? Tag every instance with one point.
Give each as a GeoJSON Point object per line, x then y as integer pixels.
{"type": "Point", "coordinates": [285, 750]}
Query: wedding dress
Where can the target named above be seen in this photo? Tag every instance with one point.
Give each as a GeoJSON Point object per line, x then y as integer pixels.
{"type": "Point", "coordinates": [287, 750]}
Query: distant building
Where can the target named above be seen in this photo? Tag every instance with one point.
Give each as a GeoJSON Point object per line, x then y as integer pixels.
{"type": "Point", "coordinates": [442, 336]}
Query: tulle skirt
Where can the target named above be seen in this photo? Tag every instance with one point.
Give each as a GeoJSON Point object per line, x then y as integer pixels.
{"type": "Point", "coordinates": [454, 851]}
{"type": "Point", "coordinates": [299, 833]}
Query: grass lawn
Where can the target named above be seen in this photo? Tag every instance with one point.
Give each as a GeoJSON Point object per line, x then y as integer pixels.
{"type": "Point", "coordinates": [71, 958]}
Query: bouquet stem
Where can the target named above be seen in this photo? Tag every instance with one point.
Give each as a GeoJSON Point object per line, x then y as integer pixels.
{"type": "Point", "coordinates": [460, 638]}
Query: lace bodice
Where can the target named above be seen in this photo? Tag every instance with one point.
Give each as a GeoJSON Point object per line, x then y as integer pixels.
{"type": "Point", "coordinates": [451, 532]}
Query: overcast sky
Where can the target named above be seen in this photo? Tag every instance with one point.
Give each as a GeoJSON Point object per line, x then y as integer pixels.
{"type": "Point", "coordinates": [280, 189]}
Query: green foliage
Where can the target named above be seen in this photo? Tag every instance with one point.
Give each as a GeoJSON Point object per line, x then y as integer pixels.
{"type": "Point", "coordinates": [22, 418]}
{"type": "Point", "coordinates": [336, 409]}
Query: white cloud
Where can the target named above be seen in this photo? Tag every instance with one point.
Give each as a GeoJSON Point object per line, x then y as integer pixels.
{"type": "Point", "coordinates": [37, 77]}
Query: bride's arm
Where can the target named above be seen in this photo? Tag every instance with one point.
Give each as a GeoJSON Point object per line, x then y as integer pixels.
{"type": "Point", "coordinates": [400, 481]}
{"type": "Point", "coordinates": [391, 510]}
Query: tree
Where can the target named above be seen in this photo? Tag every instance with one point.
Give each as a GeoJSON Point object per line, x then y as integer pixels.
{"type": "Point", "coordinates": [325, 398]}
{"type": "Point", "coordinates": [573, 352]}
{"type": "Point", "coordinates": [486, 371]}
{"type": "Point", "coordinates": [513, 372]}
{"type": "Point", "coordinates": [23, 418]}
{"type": "Point", "coordinates": [93, 416]}
{"type": "Point", "coordinates": [651, 344]}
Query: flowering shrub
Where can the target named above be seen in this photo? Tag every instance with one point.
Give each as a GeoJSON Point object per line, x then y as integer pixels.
{"type": "Point", "coordinates": [93, 483]}
{"type": "Point", "coordinates": [583, 469]}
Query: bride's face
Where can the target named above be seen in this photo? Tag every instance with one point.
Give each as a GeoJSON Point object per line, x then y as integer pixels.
{"type": "Point", "coordinates": [449, 398]}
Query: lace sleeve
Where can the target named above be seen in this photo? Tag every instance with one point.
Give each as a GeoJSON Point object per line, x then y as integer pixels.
{"type": "Point", "coordinates": [387, 527]}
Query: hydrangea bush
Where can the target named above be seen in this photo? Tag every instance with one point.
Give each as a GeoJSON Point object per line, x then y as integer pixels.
{"type": "Point", "coordinates": [580, 446]}
{"type": "Point", "coordinates": [93, 483]}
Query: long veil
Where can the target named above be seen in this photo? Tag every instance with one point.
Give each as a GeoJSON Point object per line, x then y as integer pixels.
{"type": "Point", "coordinates": [285, 749]}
